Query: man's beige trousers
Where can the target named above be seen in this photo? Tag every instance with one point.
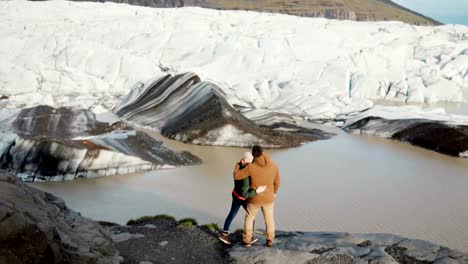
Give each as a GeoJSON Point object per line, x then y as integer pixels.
{"type": "Point", "coordinates": [267, 211]}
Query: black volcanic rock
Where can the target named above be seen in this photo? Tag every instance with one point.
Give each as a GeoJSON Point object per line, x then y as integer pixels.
{"type": "Point", "coordinates": [64, 144]}
{"type": "Point", "coordinates": [184, 108]}
{"type": "Point", "coordinates": [447, 139]}
{"type": "Point", "coordinates": [37, 227]}
{"type": "Point", "coordinates": [433, 135]}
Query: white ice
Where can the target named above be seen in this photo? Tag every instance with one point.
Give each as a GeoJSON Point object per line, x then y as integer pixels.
{"type": "Point", "coordinates": [81, 54]}
{"type": "Point", "coordinates": [228, 135]}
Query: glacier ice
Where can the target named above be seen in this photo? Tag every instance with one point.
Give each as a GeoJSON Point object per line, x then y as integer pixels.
{"type": "Point", "coordinates": [74, 54]}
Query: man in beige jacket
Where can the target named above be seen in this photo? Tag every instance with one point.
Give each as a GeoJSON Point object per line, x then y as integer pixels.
{"type": "Point", "coordinates": [263, 171]}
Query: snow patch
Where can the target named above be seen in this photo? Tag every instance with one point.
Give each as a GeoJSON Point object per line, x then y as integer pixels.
{"type": "Point", "coordinates": [228, 135]}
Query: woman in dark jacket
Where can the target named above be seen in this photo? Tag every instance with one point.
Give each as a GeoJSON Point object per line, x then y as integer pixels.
{"type": "Point", "coordinates": [240, 194]}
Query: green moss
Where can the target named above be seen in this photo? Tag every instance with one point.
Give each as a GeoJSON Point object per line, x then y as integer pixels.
{"type": "Point", "coordinates": [258, 232]}
{"type": "Point", "coordinates": [212, 226]}
{"type": "Point", "coordinates": [188, 222]}
{"type": "Point", "coordinates": [149, 218]}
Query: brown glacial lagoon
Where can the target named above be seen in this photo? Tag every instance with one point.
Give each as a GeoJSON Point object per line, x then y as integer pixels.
{"type": "Point", "coordinates": [349, 183]}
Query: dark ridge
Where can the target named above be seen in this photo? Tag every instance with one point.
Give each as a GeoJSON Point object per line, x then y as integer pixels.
{"type": "Point", "coordinates": [360, 10]}
{"type": "Point", "coordinates": [184, 108]}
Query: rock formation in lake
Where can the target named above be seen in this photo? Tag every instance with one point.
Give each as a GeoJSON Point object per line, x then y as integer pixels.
{"type": "Point", "coordinates": [37, 227]}
{"type": "Point", "coordinates": [63, 144]}
{"type": "Point", "coordinates": [438, 136]}
{"type": "Point", "coordinates": [184, 108]}
{"type": "Point", "coordinates": [167, 240]}
{"type": "Point", "coordinates": [362, 10]}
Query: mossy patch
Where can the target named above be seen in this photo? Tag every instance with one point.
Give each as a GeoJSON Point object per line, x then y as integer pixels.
{"type": "Point", "coordinates": [187, 222]}
{"type": "Point", "coordinates": [147, 218]}
{"type": "Point", "coordinates": [212, 226]}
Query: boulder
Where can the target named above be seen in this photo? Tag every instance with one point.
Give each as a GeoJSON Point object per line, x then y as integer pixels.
{"type": "Point", "coordinates": [37, 227]}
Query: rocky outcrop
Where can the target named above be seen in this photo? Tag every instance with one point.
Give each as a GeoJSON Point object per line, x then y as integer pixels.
{"type": "Point", "coordinates": [167, 240]}
{"type": "Point", "coordinates": [64, 144]}
{"type": "Point", "coordinates": [345, 248]}
{"type": "Point", "coordinates": [37, 227]}
{"type": "Point", "coordinates": [438, 136]}
{"type": "Point", "coordinates": [184, 108]}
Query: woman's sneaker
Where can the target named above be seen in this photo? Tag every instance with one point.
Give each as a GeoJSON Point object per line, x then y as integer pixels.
{"type": "Point", "coordinates": [224, 237]}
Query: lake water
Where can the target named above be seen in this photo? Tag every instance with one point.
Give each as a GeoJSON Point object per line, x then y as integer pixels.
{"type": "Point", "coordinates": [350, 183]}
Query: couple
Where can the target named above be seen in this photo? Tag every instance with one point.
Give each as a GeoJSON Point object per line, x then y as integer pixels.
{"type": "Point", "coordinates": [256, 181]}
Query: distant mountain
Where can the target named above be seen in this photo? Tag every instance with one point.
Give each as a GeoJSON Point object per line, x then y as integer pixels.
{"type": "Point", "coordinates": [360, 10]}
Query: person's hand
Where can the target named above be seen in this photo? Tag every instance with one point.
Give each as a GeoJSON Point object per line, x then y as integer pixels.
{"type": "Point", "coordinates": [261, 189]}
{"type": "Point", "coordinates": [242, 161]}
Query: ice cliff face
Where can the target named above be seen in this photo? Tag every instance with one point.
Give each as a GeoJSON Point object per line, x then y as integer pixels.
{"type": "Point", "coordinates": [184, 108]}
{"type": "Point", "coordinates": [77, 55]}
{"type": "Point", "coordinates": [49, 144]}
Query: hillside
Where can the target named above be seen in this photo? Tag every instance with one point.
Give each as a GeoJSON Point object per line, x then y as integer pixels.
{"type": "Point", "coordinates": [360, 10]}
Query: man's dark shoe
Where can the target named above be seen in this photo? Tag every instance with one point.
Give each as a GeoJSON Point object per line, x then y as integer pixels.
{"type": "Point", "coordinates": [224, 237]}
{"type": "Point", "coordinates": [269, 243]}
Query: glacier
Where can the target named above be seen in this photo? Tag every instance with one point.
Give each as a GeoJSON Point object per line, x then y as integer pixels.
{"type": "Point", "coordinates": [88, 54]}
{"type": "Point", "coordinates": [279, 71]}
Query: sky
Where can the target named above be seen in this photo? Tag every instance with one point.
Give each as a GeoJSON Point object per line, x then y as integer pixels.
{"type": "Point", "coordinates": [445, 11]}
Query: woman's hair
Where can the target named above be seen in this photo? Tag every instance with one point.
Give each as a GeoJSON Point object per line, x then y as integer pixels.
{"type": "Point", "coordinates": [257, 151]}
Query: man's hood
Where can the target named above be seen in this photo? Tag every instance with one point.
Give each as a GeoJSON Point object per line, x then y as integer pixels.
{"type": "Point", "coordinates": [263, 160]}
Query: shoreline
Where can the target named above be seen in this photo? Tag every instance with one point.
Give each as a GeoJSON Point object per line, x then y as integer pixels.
{"type": "Point", "coordinates": [156, 239]}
